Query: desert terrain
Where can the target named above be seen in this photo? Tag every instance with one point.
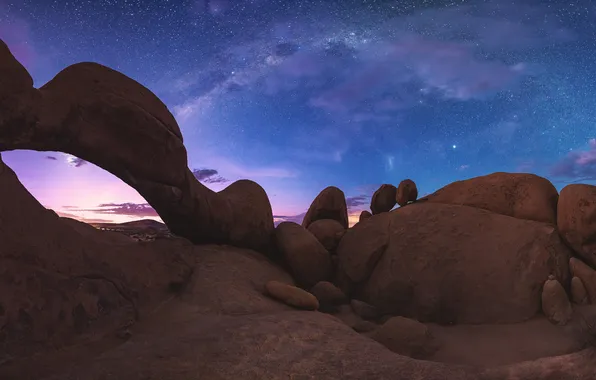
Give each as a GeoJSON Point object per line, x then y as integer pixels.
{"type": "Point", "coordinates": [488, 278]}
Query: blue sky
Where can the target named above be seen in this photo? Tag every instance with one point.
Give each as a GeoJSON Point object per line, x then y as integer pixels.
{"type": "Point", "coordinates": [302, 95]}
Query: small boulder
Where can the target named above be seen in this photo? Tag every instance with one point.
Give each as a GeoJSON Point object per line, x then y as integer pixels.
{"type": "Point", "coordinates": [364, 326]}
{"type": "Point", "coordinates": [329, 296]}
{"type": "Point", "coordinates": [364, 310]}
{"type": "Point", "coordinates": [578, 291]}
{"type": "Point", "coordinates": [587, 276]}
{"type": "Point", "coordinates": [364, 215]}
{"type": "Point", "coordinates": [383, 199]}
{"type": "Point", "coordinates": [291, 295]}
{"type": "Point", "coordinates": [407, 337]}
{"type": "Point", "coordinates": [406, 192]}
{"type": "Point", "coordinates": [308, 260]}
{"type": "Point", "coordinates": [555, 303]}
{"type": "Point", "coordinates": [347, 316]}
{"type": "Point", "coordinates": [329, 204]}
{"type": "Point", "coordinates": [328, 232]}
{"type": "Point", "coordinates": [576, 220]}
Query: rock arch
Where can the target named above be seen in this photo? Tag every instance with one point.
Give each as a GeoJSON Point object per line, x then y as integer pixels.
{"type": "Point", "coordinates": [112, 121]}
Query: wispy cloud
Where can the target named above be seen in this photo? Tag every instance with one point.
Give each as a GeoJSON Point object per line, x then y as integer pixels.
{"type": "Point", "coordinates": [357, 201]}
{"type": "Point", "coordinates": [233, 171]}
{"type": "Point", "coordinates": [75, 161]}
{"type": "Point", "coordinates": [126, 209]}
{"type": "Point", "coordinates": [394, 64]}
{"type": "Point", "coordinates": [579, 165]}
{"type": "Point", "coordinates": [208, 176]}
{"type": "Point", "coordinates": [82, 218]}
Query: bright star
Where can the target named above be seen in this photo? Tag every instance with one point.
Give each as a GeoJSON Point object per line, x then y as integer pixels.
{"type": "Point", "coordinates": [454, 146]}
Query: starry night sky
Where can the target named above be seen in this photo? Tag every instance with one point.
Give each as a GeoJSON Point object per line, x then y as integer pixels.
{"type": "Point", "coordinates": [299, 95]}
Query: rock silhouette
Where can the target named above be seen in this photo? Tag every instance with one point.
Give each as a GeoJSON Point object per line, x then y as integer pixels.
{"type": "Point", "coordinates": [77, 302]}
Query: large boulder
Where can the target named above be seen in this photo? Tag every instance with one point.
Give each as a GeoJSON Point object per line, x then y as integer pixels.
{"type": "Point", "coordinates": [383, 199]}
{"type": "Point", "coordinates": [452, 264]}
{"type": "Point", "coordinates": [328, 232]}
{"type": "Point", "coordinates": [576, 220]}
{"type": "Point", "coordinates": [250, 220]}
{"type": "Point", "coordinates": [308, 260]}
{"type": "Point", "coordinates": [523, 196]}
{"type": "Point", "coordinates": [329, 204]}
{"type": "Point", "coordinates": [106, 118]}
{"type": "Point", "coordinates": [406, 192]}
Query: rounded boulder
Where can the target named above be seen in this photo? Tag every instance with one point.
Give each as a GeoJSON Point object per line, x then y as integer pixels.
{"type": "Point", "coordinates": [308, 260]}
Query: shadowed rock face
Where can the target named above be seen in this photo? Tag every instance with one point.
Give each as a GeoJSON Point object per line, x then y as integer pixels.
{"type": "Point", "coordinates": [106, 118]}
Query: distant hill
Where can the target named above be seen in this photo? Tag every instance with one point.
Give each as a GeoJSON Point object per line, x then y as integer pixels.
{"type": "Point", "coordinates": [134, 225]}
